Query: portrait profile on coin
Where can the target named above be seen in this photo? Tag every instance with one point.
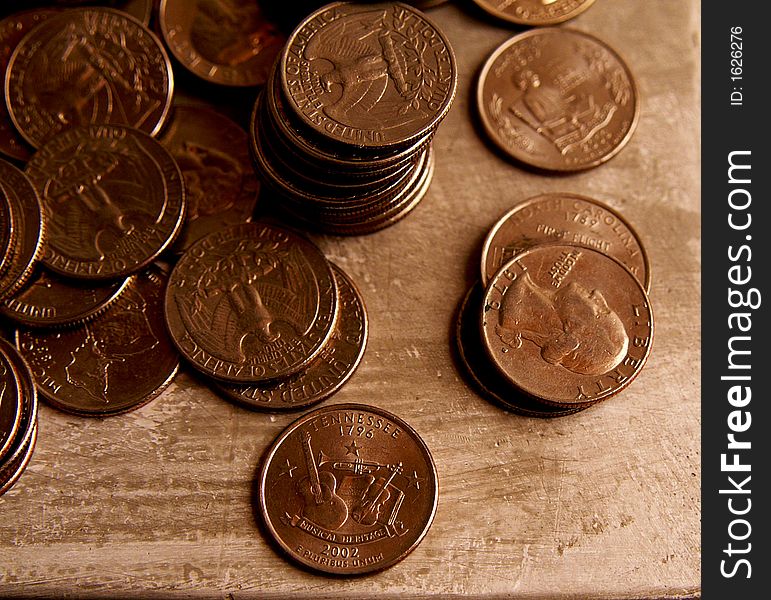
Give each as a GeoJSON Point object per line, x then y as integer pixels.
{"type": "Point", "coordinates": [574, 327]}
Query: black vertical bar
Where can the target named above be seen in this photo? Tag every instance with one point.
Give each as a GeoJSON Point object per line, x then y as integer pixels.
{"type": "Point", "coordinates": [736, 55]}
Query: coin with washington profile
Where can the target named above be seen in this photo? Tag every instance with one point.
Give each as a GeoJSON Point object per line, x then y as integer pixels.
{"type": "Point", "coordinates": [566, 324]}
{"type": "Point", "coordinates": [348, 489]}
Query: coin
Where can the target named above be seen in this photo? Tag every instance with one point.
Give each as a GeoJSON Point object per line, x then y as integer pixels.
{"type": "Point", "coordinates": [10, 405]}
{"type": "Point", "coordinates": [49, 300]}
{"type": "Point", "coordinates": [534, 12]}
{"type": "Point", "coordinates": [368, 76]}
{"type": "Point", "coordinates": [566, 324]}
{"type": "Point", "coordinates": [213, 153]}
{"type": "Point", "coordinates": [88, 66]}
{"type": "Point", "coordinates": [328, 372]}
{"type": "Point", "coordinates": [12, 471]}
{"type": "Point", "coordinates": [12, 29]}
{"type": "Point", "coordinates": [228, 42]}
{"type": "Point", "coordinates": [114, 200]}
{"type": "Point", "coordinates": [117, 362]}
{"type": "Point", "coordinates": [484, 375]}
{"type": "Point", "coordinates": [557, 99]}
{"type": "Point", "coordinates": [139, 9]}
{"type": "Point", "coordinates": [564, 217]}
{"type": "Point", "coordinates": [348, 489]}
{"type": "Point", "coordinates": [19, 452]}
{"type": "Point", "coordinates": [27, 218]}
{"type": "Point", "coordinates": [251, 303]}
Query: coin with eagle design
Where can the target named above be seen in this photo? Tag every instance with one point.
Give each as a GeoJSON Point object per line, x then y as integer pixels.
{"type": "Point", "coordinates": [251, 303]}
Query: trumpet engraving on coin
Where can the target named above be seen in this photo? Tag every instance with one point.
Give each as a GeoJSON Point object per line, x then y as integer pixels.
{"type": "Point", "coordinates": [361, 498]}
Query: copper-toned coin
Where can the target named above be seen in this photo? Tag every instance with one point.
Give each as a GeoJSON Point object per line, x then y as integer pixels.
{"type": "Point", "coordinates": [12, 29]}
{"type": "Point", "coordinates": [26, 214]}
{"type": "Point", "coordinates": [564, 217]}
{"type": "Point", "coordinates": [49, 300]}
{"type": "Point", "coordinates": [328, 372]}
{"type": "Point", "coordinates": [18, 453]}
{"type": "Point", "coordinates": [566, 324]}
{"type": "Point", "coordinates": [114, 200]}
{"type": "Point", "coordinates": [114, 363]}
{"type": "Point", "coordinates": [8, 231]}
{"type": "Point", "coordinates": [368, 75]}
{"type": "Point", "coordinates": [12, 471]}
{"type": "Point", "coordinates": [251, 303]}
{"type": "Point", "coordinates": [213, 153]}
{"type": "Point", "coordinates": [139, 9]}
{"type": "Point", "coordinates": [10, 404]}
{"type": "Point", "coordinates": [557, 99]}
{"type": "Point", "coordinates": [88, 66]}
{"type": "Point", "coordinates": [229, 42]}
{"type": "Point", "coordinates": [534, 12]}
{"type": "Point", "coordinates": [348, 489]}
{"type": "Point", "coordinates": [484, 375]}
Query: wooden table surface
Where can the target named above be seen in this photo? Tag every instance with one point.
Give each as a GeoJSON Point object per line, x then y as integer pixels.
{"type": "Point", "coordinates": [603, 504]}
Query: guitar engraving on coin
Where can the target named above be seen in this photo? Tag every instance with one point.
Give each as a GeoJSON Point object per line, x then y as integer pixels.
{"type": "Point", "coordinates": [118, 361]}
{"type": "Point", "coordinates": [228, 42]}
{"type": "Point", "coordinates": [567, 324]}
{"type": "Point", "coordinates": [534, 12]}
{"type": "Point", "coordinates": [328, 372]}
{"type": "Point", "coordinates": [557, 99]}
{"type": "Point", "coordinates": [251, 303]}
{"type": "Point", "coordinates": [374, 75]}
{"type": "Point", "coordinates": [88, 66]}
{"type": "Point", "coordinates": [213, 153]}
{"type": "Point", "coordinates": [348, 489]}
{"type": "Point", "coordinates": [114, 200]}
{"type": "Point", "coordinates": [564, 217]}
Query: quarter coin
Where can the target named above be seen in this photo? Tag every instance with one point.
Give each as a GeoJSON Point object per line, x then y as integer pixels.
{"type": "Point", "coordinates": [114, 200]}
{"type": "Point", "coordinates": [226, 42]}
{"type": "Point", "coordinates": [348, 489]}
{"type": "Point", "coordinates": [557, 99]}
{"type": "Point", "coordinates": [118, 361]}
{"type": "Point", "coordinates": [251, 303]}
{"type": "Point", "coordinates": [368, 75]}
{"type": "Point", "coordinates": [328, 372]}
{"type": "Point", "coordinates": [10, 404]}
{"type": "Point", "coordinates": [564, 217]}
{"type": "Point", "coordinates": [566, 324]}
{"type": "Point", "coordinates": [88, 66]}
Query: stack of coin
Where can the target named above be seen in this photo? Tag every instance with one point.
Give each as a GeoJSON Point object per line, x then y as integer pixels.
{"type": "Point", "coordinates": [18, 415]}
{"type": "Point", "coordinates": [262, 315]}
{"type": "Point", "coordinates": [561, 318]}
{"type": "Point", "coordinates": [342, 130]}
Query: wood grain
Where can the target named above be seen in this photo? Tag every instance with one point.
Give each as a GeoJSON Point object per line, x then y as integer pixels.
{"type": "Point", "coordinates": [602, 504]}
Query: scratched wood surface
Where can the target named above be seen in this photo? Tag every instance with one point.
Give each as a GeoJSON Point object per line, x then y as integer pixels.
{"type": "Point", "coordinates": [604, 504]}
